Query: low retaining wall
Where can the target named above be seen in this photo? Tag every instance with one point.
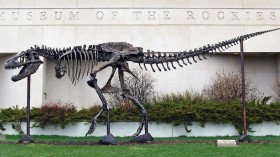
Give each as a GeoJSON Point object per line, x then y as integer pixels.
{"type": "Point", "coordinates": [156, 129]}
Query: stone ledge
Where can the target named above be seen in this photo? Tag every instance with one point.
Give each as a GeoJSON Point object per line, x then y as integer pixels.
{"type": "Point", "coordinates": [124, 129]}
{"type": "Point", "coordinates": [226, 143]}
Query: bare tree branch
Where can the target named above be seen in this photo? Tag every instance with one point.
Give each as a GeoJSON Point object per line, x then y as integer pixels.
{"type": "Point", "coordinates": [227, 87]}
{"type": "Point", "coordinates": [142, 89]}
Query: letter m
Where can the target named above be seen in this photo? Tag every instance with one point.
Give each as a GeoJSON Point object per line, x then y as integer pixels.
{"type": "Point", "coordinates": [74, 16]}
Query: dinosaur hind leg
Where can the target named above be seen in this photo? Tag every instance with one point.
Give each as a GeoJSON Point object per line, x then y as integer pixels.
{"type": "Point", "coordinates": [144, 119]}
{"type": "Point", "coordinates": [93, 83]}
{"type": "Point", "coordinates": [109, 139]}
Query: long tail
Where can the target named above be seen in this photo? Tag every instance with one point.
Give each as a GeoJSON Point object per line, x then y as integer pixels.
{"type": "Point", "coordinates": [186, 58]}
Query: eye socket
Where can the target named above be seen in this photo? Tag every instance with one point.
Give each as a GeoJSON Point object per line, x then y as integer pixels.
{"type": "Point", "coordinates": [28, 56]}
{"type": "Point", "coordinates": [36, 56]}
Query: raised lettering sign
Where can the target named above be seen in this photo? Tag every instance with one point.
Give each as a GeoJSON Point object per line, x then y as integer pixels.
{"type": "Point", "coordinates": [139, 16]}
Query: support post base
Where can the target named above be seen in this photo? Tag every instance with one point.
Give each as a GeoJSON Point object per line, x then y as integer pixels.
{"type": "Point", "coordinates": [26, 139]}
{"type": "Point", "coordinates": [143, 138]}
{"type": "Point", "coordinates": [245, 139]}
{"type": "Point", "coordinates": [108, 140]}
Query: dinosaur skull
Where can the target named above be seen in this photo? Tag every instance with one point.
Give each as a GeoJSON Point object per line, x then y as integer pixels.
{"type": "Point", "coordinates": [28, 61]}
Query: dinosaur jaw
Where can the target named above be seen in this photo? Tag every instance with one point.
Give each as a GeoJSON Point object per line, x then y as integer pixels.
{"type": "Point", "coordinates": [25, 71]}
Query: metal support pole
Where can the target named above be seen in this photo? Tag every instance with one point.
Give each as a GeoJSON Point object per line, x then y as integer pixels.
{"type": "Point", "coordinates": [28, 106]}
{"type": "Point", "coordinates": [146, 124]}
{"type": "Point", "coordinates": [108, 121]}
{"type": "Point", "coordinates": [27, 137]}
{"type": "Point", "coordinates": [243, 87]}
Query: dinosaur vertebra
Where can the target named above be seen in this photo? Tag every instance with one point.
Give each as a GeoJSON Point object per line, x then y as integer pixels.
{"type": "Point", "coordinates": [116, 55]}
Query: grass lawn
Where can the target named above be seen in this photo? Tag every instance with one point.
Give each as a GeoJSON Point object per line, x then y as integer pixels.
{"type": "Point", "coordinates": [170, 150]}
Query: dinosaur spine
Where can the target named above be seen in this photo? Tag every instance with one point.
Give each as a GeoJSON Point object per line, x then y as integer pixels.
{"type": "Point", "coordinates": [161, 58]}
{"type": "Point", "coordinates": [90, 56]}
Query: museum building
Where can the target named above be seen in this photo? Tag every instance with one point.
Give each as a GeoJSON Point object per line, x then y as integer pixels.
{"type": "Point", "coordinates": [158, 25]}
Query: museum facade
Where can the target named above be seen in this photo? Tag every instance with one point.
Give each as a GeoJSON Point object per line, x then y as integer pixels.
{"type": "Point", "coordinates": [159, 25]}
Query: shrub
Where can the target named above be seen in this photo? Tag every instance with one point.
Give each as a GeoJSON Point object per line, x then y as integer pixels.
{"type": "Point", "coordinates": [183, 108]}
{"type": "Point", "coordinates": [187, 108]}
{"type": "Point", "coordinates": [15, 115]}
{"type": "Point", "coordinates": [55, 113]}
{"type": "Point", "coordinates": [228, 87]}
{"type": "Point", "coordinates": [86, 114]}
{"type": "Point", "coordinates": [126, 112]}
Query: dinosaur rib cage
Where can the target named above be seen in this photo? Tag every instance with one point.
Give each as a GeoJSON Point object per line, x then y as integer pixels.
{"type": "Point", "coordinates": [81, 61]}
{"type": "Point", "coordinates": [157, 58]}
{"type": "Point", "coordinates": [70, 59]}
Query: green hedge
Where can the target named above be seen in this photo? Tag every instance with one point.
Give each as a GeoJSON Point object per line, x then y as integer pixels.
{"type": "Point", "coordinates": [174, 108]}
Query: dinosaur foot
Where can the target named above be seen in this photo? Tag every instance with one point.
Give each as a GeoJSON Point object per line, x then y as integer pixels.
{"type": "Point", "coordinates": [108, 140]}
{"type": "Point", "coordinates": [26, 139]}
{"type": "Point", "coordinates": [143, 138]}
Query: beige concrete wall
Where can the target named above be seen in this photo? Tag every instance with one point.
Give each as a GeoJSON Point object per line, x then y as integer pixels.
{"type": "Point", "coordinates": [159, 31]}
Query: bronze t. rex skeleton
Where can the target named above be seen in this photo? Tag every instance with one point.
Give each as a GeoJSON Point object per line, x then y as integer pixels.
{"type": "Point", "coordinates": [115, 55]}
